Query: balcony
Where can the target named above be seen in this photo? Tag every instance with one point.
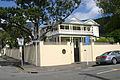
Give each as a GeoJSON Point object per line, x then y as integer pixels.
{"type": "Point", "coordinates": [72, 30]}
{"type": "Point", "coordinates": [75, 32]}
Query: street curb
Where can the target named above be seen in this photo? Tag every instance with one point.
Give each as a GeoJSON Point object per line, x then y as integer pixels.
{"type": "Point", "coordinates": [51, 69]}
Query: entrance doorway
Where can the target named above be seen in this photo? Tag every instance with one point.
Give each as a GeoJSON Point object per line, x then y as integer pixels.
{"type": "Point", "coordinates": [76, 50]}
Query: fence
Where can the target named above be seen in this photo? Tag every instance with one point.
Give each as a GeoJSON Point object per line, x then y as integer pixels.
{"type": "Point", "coordinates": [32, 54]}
{"type": "Point", "coordinates": [47, 54]}
{"type": "Point", "coordinates": [44, 54]}
{"type": "Point", "coordinates": [89, 52]}
{"type": "Point", "coordinates": [15, 53]}
{"type": "Point", "coordinates": [29, 53]}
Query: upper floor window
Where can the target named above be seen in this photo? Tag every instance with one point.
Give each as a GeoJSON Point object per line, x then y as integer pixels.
{"type": "Point", "coordinates": [67, 27]}
{"type": "Point", "coordinates": [76, 28]}
{"type": "Point", "coordinates": [61, 27]}
{"type": "Point", "coordinates": [64, 27]}
{"type": "Point", "coordinates": [84, 28]}
{"type": "Point", "coordinates": [88, 28]}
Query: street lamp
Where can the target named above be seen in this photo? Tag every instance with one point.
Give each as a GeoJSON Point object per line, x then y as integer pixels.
{"type": "Point", "coordinates": [21, 43]}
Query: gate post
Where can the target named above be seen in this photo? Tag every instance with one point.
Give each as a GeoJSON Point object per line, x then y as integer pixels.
{"type": "Point", "coordinates": [80, 50]}
{"type": "Point", "coordinates": [72, 52]}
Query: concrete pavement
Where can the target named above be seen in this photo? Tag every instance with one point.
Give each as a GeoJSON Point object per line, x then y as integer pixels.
{"type": "Point", "coordinates": [74, 66]}
{"type": "Point", "coordinates": [5, 60]}
{"type": "Point", "coordinates": [77, 71]}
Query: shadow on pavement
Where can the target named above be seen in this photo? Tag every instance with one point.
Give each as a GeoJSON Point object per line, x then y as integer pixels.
{"type": "Point", "coordinates": [102, 65]}
{"type": "Point", "coordinates": [5, 61]}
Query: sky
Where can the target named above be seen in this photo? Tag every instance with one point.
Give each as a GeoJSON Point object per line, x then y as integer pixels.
{"type": "Point", "coordinates": [87, 10]}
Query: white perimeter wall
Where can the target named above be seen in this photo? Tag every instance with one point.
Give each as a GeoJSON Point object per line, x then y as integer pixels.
{"type": "Point", "coordinates": [90, 52]}
{"type": "Point", "coordinates": [51, 55]}
{"type": "Point", "coordinates": [46, 55]}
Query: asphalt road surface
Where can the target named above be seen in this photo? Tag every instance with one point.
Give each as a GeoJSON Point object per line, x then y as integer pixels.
{"type": "Point", "coordinates": [103, 72]}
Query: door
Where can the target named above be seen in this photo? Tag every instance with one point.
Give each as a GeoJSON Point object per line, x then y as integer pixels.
{"type": "Point", "coordinates": [76, 55]}
{"type": "Point", "coordinates": [76, 50]}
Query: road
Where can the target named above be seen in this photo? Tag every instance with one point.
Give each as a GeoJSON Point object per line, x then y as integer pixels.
{"type": "Point", "coordinates": [103, 72]}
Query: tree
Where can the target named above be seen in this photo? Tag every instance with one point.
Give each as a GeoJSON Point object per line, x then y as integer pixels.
{"type": "Point", "coordinates": [50, 12]}
{"type": "Point", "coordinates": [9, 36]}
{"type": "Point", "coordinates": [102, 28]}
{"type": "Point", "coordinates": [12, 18]}
{"type": "Point", "coordinates": [111, 9]}
{"type": "Point", "coordinates": [116, 35]}
{"type": "Point", "coordinates": [7, 39]}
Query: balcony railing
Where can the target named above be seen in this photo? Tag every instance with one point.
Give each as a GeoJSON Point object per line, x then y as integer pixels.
{"type": "Point", "coordinates": [75, 32]}
{"type": "Point", "coordinates": [79, 32]}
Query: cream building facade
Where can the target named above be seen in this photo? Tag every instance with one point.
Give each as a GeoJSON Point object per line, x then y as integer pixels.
{"type": "Point", "coordinates": [74, 30]}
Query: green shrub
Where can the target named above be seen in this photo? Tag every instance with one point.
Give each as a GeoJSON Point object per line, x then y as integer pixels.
{"type": "Point", "coordinates": [105, 40]}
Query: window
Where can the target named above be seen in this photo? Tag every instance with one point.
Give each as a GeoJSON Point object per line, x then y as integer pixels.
{"type": "Point", "coordinates": [67, 27]}
{"type": "Point", "coordinates": [106, 53]}
{"type": "Point", "coordinates": [84, 28]}
{"type": "Point", "coordinates": [118, 52]}
{"type": "Point", "coordinates": [64, 27]}
{"type": "Point", "coordinates": [76, 28]}
{"type": "Point", "coordinates": [115, 53]}
{"type": "Point", "coordinates": [61, 27]}
{"type": "Point", "coordinates": [88, 28]}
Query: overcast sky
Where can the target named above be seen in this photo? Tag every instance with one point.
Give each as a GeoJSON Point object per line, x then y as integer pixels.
{"type": "Point", "coordinates": [87, 10]}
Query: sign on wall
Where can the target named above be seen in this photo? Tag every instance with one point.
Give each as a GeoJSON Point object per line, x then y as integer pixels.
{"type": "Point", "coordinates": [87, 40]}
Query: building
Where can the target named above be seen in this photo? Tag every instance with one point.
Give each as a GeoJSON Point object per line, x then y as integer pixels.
{"type": "Point", "coordinates": [75, 30]}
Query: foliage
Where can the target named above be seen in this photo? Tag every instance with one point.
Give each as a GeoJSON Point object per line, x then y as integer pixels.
{"type": "Point", "coordinates": [13, 18]}
{"type": "Point", "coordinates": [51, 12]}
{"type": "Point", "coordinates": [9, 37]}
{"type": "Point", "coordinates": [110, 6]}
{"type": "Point", "coordinates": [113, 23]}
{"type": "Point", "coordinates": [115, 34]}
{"type": "Point", "coordinates": [112, 37]}
{"type": "Point", "coordinates": [103, 21]}
{"type": "Point", "coordinates": [106, 40]}
{"type": "Point", "coordinates": [6, 39]}
{"type": "Point", "coordinates": [111, 9]}
{"type": "Point", "coordinates": [108, 24]}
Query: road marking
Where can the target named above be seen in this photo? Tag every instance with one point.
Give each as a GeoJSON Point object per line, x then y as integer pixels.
{"type": "Point", "coordinates": [108, 71]}
{"type": "Point", "coordinates": [115, 69]}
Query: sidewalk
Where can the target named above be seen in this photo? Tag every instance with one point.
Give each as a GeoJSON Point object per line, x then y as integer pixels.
{"type": "Point", "coordinates": [34, 69]}
{"type": "Point", "coordinates": [28, 68]}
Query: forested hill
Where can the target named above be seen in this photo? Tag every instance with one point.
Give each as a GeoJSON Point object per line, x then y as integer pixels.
{"type": "Point", "coordinates": [109, 24]}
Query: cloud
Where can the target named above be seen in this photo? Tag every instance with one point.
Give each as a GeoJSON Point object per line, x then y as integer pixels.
{"type": "Point", "coordinates": [89, 10]}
